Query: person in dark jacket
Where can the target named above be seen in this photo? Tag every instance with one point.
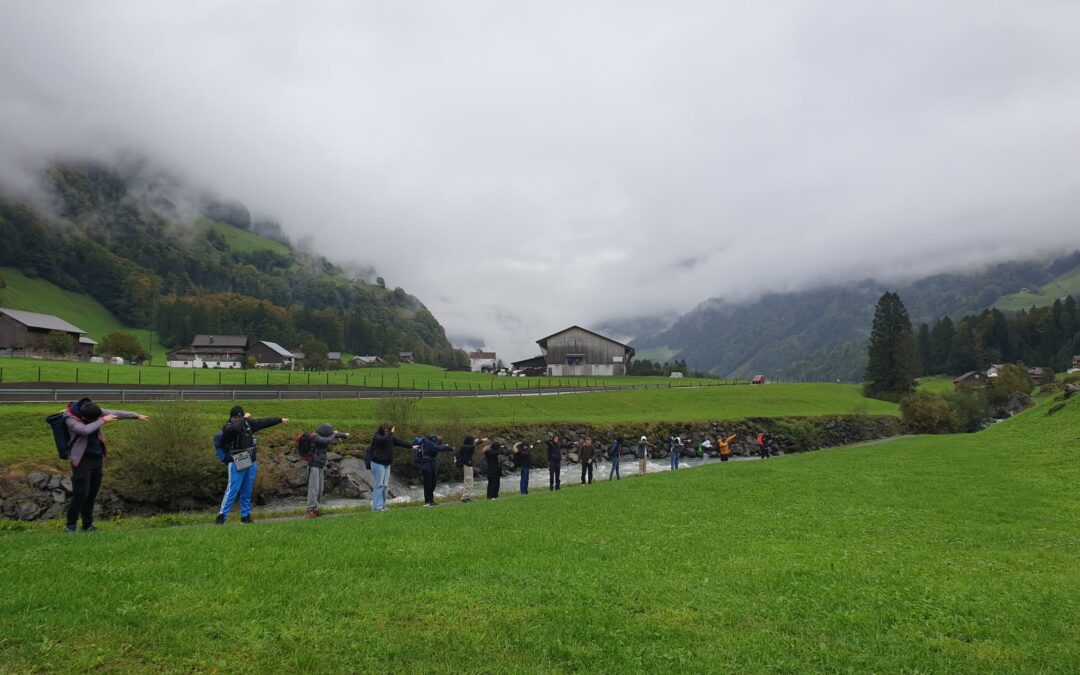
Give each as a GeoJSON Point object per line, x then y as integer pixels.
{"type": "Point", "coordinates": [523, 461]}
{"type": "Point", "coordinates": [554, 456]}
{"type": "Point", "coordinates": [587, 455]}
{"type": "Point", "coordinates": [675, 446]}
{"type": "Point", "coordinates": [382, 456]}
{"type": "Point", "coordinates": [430, 447]}
{"type": "Point", "coordinates": [465, 455]}
{"type": "Point", "coordinates": [494, 468]}
{"type": "Point", "coordinates": [321, 440]}
{"type": "Point", "coordinates": [238, 438]}
{"type": "Point", "coordinates": [615, 454]}
{"type": "Point", "coordinates": [84, 420]}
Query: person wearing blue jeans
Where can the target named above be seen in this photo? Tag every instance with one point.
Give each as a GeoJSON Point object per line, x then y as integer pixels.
{"type": "Point", "coordinates": [238, 437]}
{"type": "Point", "coordinates": [675, 447]}
{"type": "Point", "coordinates": [523, 460]}
{"type": "Point", "coordinates": [615, 454]}
{"type": "Point", "coordinates": [382, 456]}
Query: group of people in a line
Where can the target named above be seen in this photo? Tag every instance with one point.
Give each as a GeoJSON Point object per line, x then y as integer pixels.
{"type": "Point", "coordinates": [237, 446]}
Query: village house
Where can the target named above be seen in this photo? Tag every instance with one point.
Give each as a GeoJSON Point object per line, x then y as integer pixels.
{"type": "Point", "coordinates": [1040, 375]}
{"type": "Point", "coordinates": [23, 333]}
{"type": "Point", "coordinates": [1075, 365]}
{"type": "Point", "coordinates": [575, 351]}
{"type": "Point", "coordinates": [482, 361]}
{"type": "Point", "coordinates": [211, 351]}
{"type": "Point", "coordinates": [974, 379]}
{"type": "Point", "coordinates": [333, 357]}
{"type": "Point", "coordinates": [271, 355]}
{"type": "Point", "coordinates": [406, 357]}
{"type": "Point", "coordinates": [361, 361]}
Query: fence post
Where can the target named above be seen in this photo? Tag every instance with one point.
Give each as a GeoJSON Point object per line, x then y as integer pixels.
{"type": "Point", "coordinates": [39, 374]}
{"type": "Point", "coordinates": [123, 395]}
{"type": "Point", "coordinates": [140, 374]}
{"type": "Point", "coordinates": [107, 374]}
{"type": "Point", "coordinates": [55, 395]}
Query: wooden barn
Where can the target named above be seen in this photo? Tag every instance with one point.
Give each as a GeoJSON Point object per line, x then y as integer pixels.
{"type": "Point", "coordinates": [23, 333]}
{"type": "Point", "coordinates": [271, 355]}
{"type": "Point", "coordinates": [575, 351]}
{"type": "Point", "coordinates": [482, 361]}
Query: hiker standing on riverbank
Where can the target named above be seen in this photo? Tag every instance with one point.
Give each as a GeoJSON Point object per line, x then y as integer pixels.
{"type": "Point", "coordinates": [84, 420]}
{"type": "Point", "coordinates": [430, 447]}
{"type": "Point", "coordinates": [493, 468]}
{"type": "Point", "coordinates": [763, 445]}
{"type": "Point", "coordinates": [675, 448]}
{"type": "Point", "coordinates": [725, 446]}
{"type": "Point", "coordinates": [704, 449]}
{"type": "Point", "coordinates": [643, 454]}
{"type": "Point", "coordinates": [320, 441]}
{"type": "Point", "coordinates": [465, 456]}
{"type": "Point", "coordinates": [382, 456]}
{"type": "Point", "coordinates": [554, 456]}
{"type": "Point", "coordinates": [587, 455]}
{"type": "Point", "coordinates": [523, 461]}
{"type": "Point", "coordinates": [615, 454]}
{"type": "Point", "coordinates": [238, 440]}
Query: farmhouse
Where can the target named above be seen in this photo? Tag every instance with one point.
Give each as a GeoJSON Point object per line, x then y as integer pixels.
{"type": "Point", "coordinates": [577, 351]}
{"type": "Point", "coordinates": [23, 333]}
{"type": "Point", "coordinates": [211, 351]}
{"type": "Point", "coordinates": [271, 355]}
{"type": "Point", "coordinates": [359, 361]}
{"type": "Point", "coordinates": [480, 361]}
{"type": "Point", "coordinates": [333, 357]}
{"type": "Point", "coordinates": [971, 380]}
{"type": "Point", "coordinates": [406, 357]}
{"type": "Point", "coordinates": [1041, 375]}
{"type": "Point", "coordinates": [1075, 364]}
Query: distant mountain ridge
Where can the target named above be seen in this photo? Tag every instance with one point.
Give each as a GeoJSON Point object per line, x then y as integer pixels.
{"type": "Point", "coordinates": [160, 256]}
{"type": "Point", "coordinates": [821, 334]}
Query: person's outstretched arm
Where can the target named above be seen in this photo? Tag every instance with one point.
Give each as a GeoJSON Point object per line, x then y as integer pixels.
{"type": "Point", "coordinates": [124, 415]}
{"type": "Point", "coordinates": [264, 422]}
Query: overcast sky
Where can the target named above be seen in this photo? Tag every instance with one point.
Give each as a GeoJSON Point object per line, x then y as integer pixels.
{"type": "Point", "coordinates": [523, 166]}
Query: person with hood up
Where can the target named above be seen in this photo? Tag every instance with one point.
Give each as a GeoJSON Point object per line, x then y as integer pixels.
{"type": "Point", "coordinates": [493, 468]}
{"type": "Point", "coordinates": [615, 454]}
{"type": "Point", "coordinates": [382, 456]}
{"type": "Point", "coordinates": [554, 456]}
{"type": "Point", "coordinates": [321, 440]}
{"type": "Point", "coordinates": [642, 454]}
{"type": "Point", "coordinates": [523, 461]}
{"type": "Point", "coordinates": [465, 456]}
{"type": "Point", "coordinates": [587, 456]}
{"type": "Point", "coordinates": [238, 440]}
{"type": "Point", "coordinates": [430, 447]}
{"type": "Point", "coordinates": [84, 420]}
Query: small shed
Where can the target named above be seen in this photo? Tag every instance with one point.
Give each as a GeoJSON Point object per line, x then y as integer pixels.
{"type": "Point", "coordinates": [271, 355]}
{"type": "Point", "coordinates": [406, 357]}
{"type": "Point", "coordinates": [973, 379]}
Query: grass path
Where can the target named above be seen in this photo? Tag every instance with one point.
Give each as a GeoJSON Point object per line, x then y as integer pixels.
{"type": "Point", "coordinates": [943, 554]}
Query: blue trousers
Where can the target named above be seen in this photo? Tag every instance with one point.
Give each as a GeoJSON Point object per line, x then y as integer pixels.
{"type": "Point", "coordinates": [380, 473]}
{"type": "Point", "coordinates": [614, 469]}
{"type": "Point", "coordinates": [524, 480]}
{"type": "Point", "coordinates": [674, 459]}
{"type": "Point", "coordinates": [240, 484]}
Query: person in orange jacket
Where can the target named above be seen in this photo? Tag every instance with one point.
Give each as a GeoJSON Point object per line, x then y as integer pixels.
{"type": "Point", "coordinates": [763, 444]}
{"type": "Point", "coordinates": [725, 446]}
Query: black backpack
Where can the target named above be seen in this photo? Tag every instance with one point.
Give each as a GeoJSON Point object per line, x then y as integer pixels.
{"type": "Point", "coordinates": [61, 434]}
{"type": "Point", "coordinates": [305, 447]}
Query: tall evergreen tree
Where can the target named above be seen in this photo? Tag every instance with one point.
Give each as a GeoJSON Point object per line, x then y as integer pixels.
{"type": "Point", "coordinates": [941, 336]}
{"type": "Point", "coordinates": [923, 342]}
{"type": "Point", "coordinates": [893, 356]}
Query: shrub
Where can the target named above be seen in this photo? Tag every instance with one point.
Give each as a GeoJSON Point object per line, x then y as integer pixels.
{"type": "Point", "coordinates": [971, 411]}
{"type": "Point", "coordinates": [168, 458]}
{"type": "Point", "coordinates": [60, 343]}
{"type": "Point", "coordinates": [1011, 379]}
{"type": "Point", "coordinates": [926, 413]}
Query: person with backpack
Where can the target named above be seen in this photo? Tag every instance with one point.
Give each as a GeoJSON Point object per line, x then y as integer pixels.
{"type": "Point", "coordinates": [523, 461]}
{"type": "Point", "coordinates": [465, 455]}
{"type": "Point", "coordinates": [675, 444]}
{"type": "Point", "coordinates": [554, 457]}
{"type": "Point", "coordinates": [615, 454]}
{"type": "Point", "coordinates": [587, 455]}
{"type": "Point", "coordinates": [493, 468]}
{"type": "Point", "coordinates": [382, 456]}
{"type": "Point", "coordinates": [86, 450]}
{"type": "Point", "coordinates": [643, 454]}
{"type": "Point", "coordinates": [240, 445]}
{"type": "Point", "coordinates": [316, 446]}
{"type": "Point", "coordinates": [430, 447]}
{"type": "Point", "coordinates": [725, 446]}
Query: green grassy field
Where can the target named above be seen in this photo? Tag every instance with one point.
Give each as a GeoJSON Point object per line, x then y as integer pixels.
{"type": "Point", "coordinates": [38, 295]}
{"type": "Point", "coordinates": [25, 422]}
{"type": "Point", "coordinates": [243, 241]}
{"type": "Point", "coordinates": [406, 376]}
{"type": "Point", "coordinates": [936, 385]}
{"type": "Point", "coordinates": [930, 554]}
{"type": "Point", "coordinates": [1067, 284]}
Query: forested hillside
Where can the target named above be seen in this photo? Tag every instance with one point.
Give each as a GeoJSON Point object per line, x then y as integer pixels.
{"type": "Point", "coordinates": [161, 259]}
{"type": "Point", "coordinates": [821, 334]}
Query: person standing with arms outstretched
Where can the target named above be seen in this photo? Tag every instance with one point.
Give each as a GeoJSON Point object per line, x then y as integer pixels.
{"type": "Point", "coordinates": [675, 448]}
{"type": "Point", "coordinates": [493, 468]}
{"type": "Point", "coordinates": [554, 456]}
{"type": "Point", "coordinates": [643, 454]}
{"type": "Point", "coordinates": [430, 448]}
{"type": "Point", "coordinates": [587, 456]}
{"type": "Point", "coordinates": [321, 440]}
{"type": "Point", "coordinates": [238, 440]}
{"type": "Point", "coordinates": [615, 454]}
{"type": "Point", "coordinates": [725, 446]}
{"type": "Point", "coordinates": [523, 461]}
{"type": "Point", "coordinates": [465, 456]}
{"type": "Point", "coordinates": [382, 456]}
{"type": "Point", "coordinates": [84, 420]}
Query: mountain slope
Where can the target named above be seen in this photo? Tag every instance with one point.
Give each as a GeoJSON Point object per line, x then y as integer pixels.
{"type": "Point", "coordinates": [158, 255]}
{"type": "Point", "coordinates": [821, 333]}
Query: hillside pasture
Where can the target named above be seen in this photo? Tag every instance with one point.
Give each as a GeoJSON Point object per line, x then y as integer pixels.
{"type": "Point", "coordinates": [933, 554]}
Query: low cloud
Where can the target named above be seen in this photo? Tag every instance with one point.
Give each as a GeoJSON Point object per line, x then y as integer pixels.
{"type": "Point", "coordinates": [524, 166]}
